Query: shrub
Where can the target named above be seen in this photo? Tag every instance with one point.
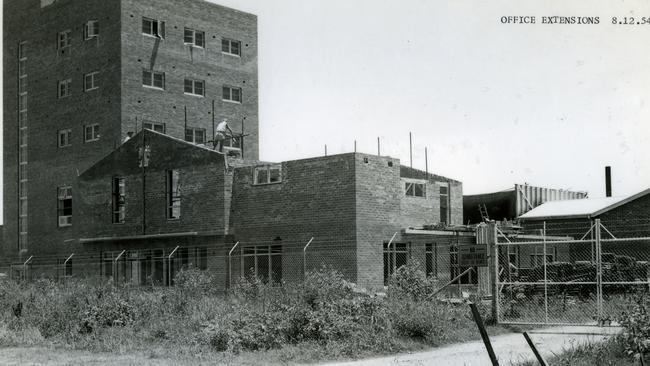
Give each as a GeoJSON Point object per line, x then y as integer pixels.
{"type": "Point", "coordinates": [635, 321]}
{"type": "Point", "coordinates": [410, 281]}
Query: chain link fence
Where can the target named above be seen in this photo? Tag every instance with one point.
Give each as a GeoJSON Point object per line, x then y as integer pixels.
{"type": "Point", "coordinates": [569, 274]}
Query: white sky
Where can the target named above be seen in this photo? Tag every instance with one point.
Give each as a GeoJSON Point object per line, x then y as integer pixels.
{"type": "Point", "coordinates": [496, 104]}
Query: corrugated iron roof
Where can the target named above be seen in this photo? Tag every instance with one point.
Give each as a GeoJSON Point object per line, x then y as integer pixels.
{"type": "Point", "coordinates": [579, 208]}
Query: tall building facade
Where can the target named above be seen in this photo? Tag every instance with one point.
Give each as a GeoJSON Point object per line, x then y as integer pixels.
{"type": "Point", "coordinates": [82, 75]}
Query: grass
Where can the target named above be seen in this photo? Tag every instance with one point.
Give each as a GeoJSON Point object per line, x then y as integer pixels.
{"type": "Point", "coordinates": [609, 353]}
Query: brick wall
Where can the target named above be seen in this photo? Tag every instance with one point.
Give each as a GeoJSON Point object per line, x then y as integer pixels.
{"type": "Point", "coordinates": [315, 199]}
{"type": "Point", "coordinates": [378, 195]}
{"type": "Point", "coordinates": [179, 61]}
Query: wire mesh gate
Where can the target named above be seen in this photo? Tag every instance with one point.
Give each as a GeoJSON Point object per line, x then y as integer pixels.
{"type": "Point", "coordinates": [559, 280]}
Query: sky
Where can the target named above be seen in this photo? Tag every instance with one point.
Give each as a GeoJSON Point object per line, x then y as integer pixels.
{"type": "Point", "coordinates": [495, 104]}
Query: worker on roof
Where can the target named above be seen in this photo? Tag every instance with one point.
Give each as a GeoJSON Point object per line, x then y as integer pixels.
{"type": "Point", "coordinates": [221, 134]}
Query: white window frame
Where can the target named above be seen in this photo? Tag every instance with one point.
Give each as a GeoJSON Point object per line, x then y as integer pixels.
{"type": "Point", "coordinates": [91, 29]}
{"type": "Point", "coordinates": [93, 77]}
{"type": "Point", "coordinates": [267, 169]}
{"type": "Point", "coordinates": [229, 47]}
{"type": "Point", "coordinates": [66, 91]}
{"type": "Point", "coordinates": [173, 197]}
{"type": "Point", "coordinates": [156, 29]}
{"type": "Point", "coordinates": [193, 41]}
{"type": "Point", "coordinates": [151, 125]}
{"type": "Point", "coordinates": [412, 183]}
{"type": "Point", "coordinates": [64, 39]}
{"type": "Point", "coordinates": [67, 134]}
{"type": "Point", "coordinates": [194, 83]}
{"type": "Point", "coordinates": [194, 130]}
{"type": "Point", "coordinates": [151, 79]}
{"type": "Point", "coordinates": [229, 97]}
{"type": "Point", "coordinates": [63, 193]}
{"type": "Point", "coordinates": [95, 132]}
{"type": "Point", "coordinates": [118, 200]}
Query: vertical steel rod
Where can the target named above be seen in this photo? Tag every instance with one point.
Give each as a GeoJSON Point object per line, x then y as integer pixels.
{"type": "Point", "coordinates": [355, 146]}
{"type": "Point", "coordinates": [426, 162]}
{"type": "Point", "coordinates": [411, 148]}
{"type": "Point", "coordinates": [378, 147]}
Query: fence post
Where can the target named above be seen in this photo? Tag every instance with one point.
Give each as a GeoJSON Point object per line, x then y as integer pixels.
{"type": "Point", "coordinates": [304, 259]}
{"type": "Point", "coordinates": [599, 272]}
{"type": "Point", "coordinates": [65, 267]}
{"type": "Point", "coordinates": [545, 276]}
{"type": "Point", "coordinates": [169, 265]}
{"type": "Point", "coordinates": [25, 267]}
{"type": "Point", "coordinates": [115, 273]}
{"type": "Point", "coordinates": [493, 241]}
{"type": "Point", "coordinates": [230, 265]}
{"type": "Point", "coordinates": [391, 258]}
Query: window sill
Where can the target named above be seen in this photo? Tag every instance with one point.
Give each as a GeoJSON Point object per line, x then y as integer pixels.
{"type": "Point", "coordinates": [194, 95]}
{"type": "Point", "coordinates": [418, 197]}
{"type": "Point", "coordinates": [91, 89]}
{"type": "Point", "coordinates": [152, 36]}
{"type": "Point", "coordinates": [194, 45]}
{"type": "Point", "coordinates": [230, 101]}
{"type": "Point", "coordinates": [266, 184]}
{"type": "Point", "coordinates": [91, 37]}
{"type": "Point", "coordinates": [93, 140]}
{"type": "Point", "coordinates": [65, 146]}
{"type": "Point", "coordinates": [153, 87]}
{"type": "Point", "coordinates": [230, 54]}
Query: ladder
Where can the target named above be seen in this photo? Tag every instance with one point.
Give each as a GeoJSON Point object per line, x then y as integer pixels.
{"type": "Point", "coordinates": [484, 213]}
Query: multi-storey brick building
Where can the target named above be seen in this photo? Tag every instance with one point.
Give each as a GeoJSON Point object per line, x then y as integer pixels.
{"type": "Point", "coordinates": [79, 75]}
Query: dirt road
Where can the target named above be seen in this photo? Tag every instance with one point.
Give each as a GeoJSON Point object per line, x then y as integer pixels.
{"type": "Point", "coordinates": [510, 349]}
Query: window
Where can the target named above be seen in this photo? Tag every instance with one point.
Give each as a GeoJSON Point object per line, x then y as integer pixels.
{"type": "Point", "coordinates": [154, 126]}
{"type": "Point", "coordinates": [195, 87]}
{"type": "Point", "coordinates": [119, 200]}
{"type": "Point", "coordinates": [195, 135]}
{"type": "Point", "coordinates": [431, 259]}
{"type": "Point", "coordinates": [154, 28]}
{"type": "Point", "coordinates": [64, 138]}
{"type": "Point", "coordinates": [267, 174]}
{"type": "Point", "coordinates": [231, 47]}
{"type": "Point", "coordinates": [64, 39]}
{"type": "Point", "coordinates": [444, 205]}
{"type": "Point", "coordinates": [91, 81]}
{"type": "Point", "coordinates": [173, 195]}
{"type": "Point", "coordinates": [91, 29]}
{"type": "Point", "coordinates": [91, 132]}
{"type": "Point", "coordinates": [413, 189]}
{"type": "Point", "coordinates": [263, 262]}
{"type": "Point", "coordinates": [65, 206]}
{"type": "Point", "coordinates": [394, 258]}
{"type": "Point", "coordinates": [64, 88]}
{"type": "Point", "coordinates": [153, 79]}
{"type": "Point", "coordinates": [232, 94]}
{"type": "Point", "coordinates": [194, 37]}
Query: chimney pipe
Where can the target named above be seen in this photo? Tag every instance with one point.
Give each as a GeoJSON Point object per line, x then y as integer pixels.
{"type": "Point", "coordinates": [608, 181]}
